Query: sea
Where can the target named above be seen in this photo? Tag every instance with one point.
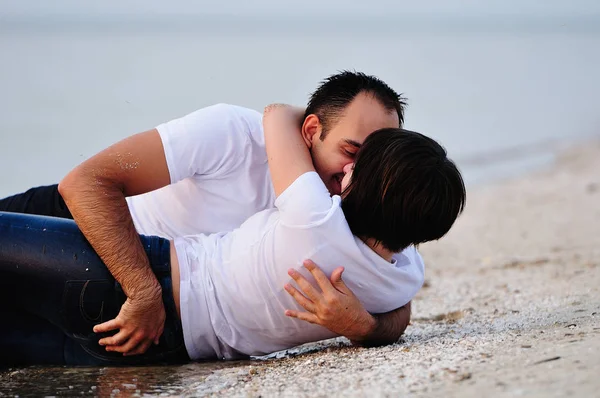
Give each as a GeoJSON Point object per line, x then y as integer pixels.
{"type": "Point", "coordinates": [499, 91]}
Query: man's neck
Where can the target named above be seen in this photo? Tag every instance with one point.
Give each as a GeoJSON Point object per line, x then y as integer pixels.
{"type": "Point", "coordinates": [379, 249]}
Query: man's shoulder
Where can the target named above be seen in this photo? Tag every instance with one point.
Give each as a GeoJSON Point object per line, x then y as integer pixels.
{"type": "Point", "coordinates": [228, 119]}
{"type": "Point", "coordinates": [234, 111]}
{"type": "Point", "coordinates": [219, 114]}
{"type": "Point", "coordinates": [215, 122]}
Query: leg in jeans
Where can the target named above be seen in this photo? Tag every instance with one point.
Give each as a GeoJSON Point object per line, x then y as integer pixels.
{"type": "Point", "coordinates": [48, 270]}
{"type": "Point", "coordinates": [27, 339]}
{"type": "Point", "coordinates": [43, 201]}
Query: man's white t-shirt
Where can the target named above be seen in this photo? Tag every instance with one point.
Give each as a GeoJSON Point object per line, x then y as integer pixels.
{"type": "Point", "coordinates": [220, 177]}
{"type": "Point", "coordinates": [232, 284]}
{"type": "Point", "coordinates": [219, 174]}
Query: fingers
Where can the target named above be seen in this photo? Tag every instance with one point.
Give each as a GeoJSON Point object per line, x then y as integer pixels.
{"type": "Point", "coordinates": [337, 282]}
{"type": "Point", "coordinates": [123, 342]}
{"type": "Point", "coordinates": [306, 287]}
{"type": "Point", "coordinates": [116, 340]}
{"type": "Point", "coordinates": [137, 330]}
{"type": "Point", "coordinates": [160, 332]}
{"type": "Point", "coordinates": [300, 299]}
{"type": "Point", "coordinates": [328, 286]}
{"type": "Point", "coordinates": [140, 349]}
{"type": "Point", "coordinates": [129, 345]}
{"type": "Point", "coordinates": [319, 276]}
{"type": "Point", "coordinates": [107, 326]}
{"type": "Point", "coordinates": [336, 275]}
{"type": "Point", "coordinates": [304, 316]}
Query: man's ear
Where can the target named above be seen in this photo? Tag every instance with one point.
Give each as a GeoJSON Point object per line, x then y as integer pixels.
{"type": "Point", "coordinates": [311, 129]}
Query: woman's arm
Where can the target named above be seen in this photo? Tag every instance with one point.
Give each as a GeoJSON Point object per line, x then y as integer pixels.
{"type": "Point", "coordinates": [287, 152]}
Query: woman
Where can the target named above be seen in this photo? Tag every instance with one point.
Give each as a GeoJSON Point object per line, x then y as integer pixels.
{"type": "Point", "coordinates": [223, 293]}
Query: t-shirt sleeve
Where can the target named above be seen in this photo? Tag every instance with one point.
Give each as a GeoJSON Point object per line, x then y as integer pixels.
{"type": "Point", "coordinates": [306, 202]}
{"type": "Point", "coordinates": [208, 142]}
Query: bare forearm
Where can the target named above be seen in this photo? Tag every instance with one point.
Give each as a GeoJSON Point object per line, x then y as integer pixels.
{"type": "Point", "coordinates": [287, 152]}
{"type": "Point", "coordinates": [99, 208]}
{"type": "Point", "coordinates": [388, 328]}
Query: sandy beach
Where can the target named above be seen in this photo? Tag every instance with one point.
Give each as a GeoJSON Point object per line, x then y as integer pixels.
{"type": "Point", "coordinates": [511, 307]}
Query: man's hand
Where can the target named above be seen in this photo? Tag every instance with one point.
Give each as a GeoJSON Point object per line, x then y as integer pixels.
{"type": "Point", "coordinates": [335, 307]}
{"type": "Point", "coordinates": [140, 323]}
{"type": "Point", "coordinates": [95, 193]}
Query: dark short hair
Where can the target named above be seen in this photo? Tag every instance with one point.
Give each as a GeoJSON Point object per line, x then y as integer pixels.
{"type": "Point", "coordinates": [337, 91]}
{"type": "Point", "coordinates": [404, 190]}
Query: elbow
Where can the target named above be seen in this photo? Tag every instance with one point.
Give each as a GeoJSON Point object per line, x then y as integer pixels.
{"type": "Point", "coordinates": [67, 186]}
{"type": "Point", "coordinates": [78, 180]}
{"type": "Point", "coordinates": [85, 180]}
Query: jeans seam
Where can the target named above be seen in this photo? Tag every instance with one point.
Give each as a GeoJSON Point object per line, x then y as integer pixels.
{"type": "Point", "coordinates": [156, 356]}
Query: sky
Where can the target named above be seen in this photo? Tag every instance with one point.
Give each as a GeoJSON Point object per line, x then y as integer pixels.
{"type": "Point", "coordinates": [24, 8]}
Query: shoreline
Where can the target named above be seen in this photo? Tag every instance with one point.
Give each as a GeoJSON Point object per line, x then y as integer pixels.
{"type": "Point", "coordinates": [497, 165]}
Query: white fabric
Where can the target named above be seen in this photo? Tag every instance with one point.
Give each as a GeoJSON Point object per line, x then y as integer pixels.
{"type": "Point", "coordinates": [219, 174]}
{"type": "Point", "coordinates": [218, 166]}
{"type": "Point", "coordinates": [232, 295]}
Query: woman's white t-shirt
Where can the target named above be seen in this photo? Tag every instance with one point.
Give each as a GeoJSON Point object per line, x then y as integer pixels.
{"type": "Point", "coordinates": [232, 284]}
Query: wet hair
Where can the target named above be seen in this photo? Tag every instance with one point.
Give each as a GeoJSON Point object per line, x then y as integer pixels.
{"type": "Point", "coordinates": [404, 190]}
{"type": "Point", "coordinates": [336, 92]}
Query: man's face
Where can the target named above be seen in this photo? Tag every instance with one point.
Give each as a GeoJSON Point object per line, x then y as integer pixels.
{"type": "Point", "coordinates": [361, 117]}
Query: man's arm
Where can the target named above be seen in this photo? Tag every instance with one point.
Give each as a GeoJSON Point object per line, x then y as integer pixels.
{"type": "Point", "coordinates": [95, 194]}
{"type": "Point", "coordinates": [336, 308]}
{"type": "Point", "coordinates": [389, 327]}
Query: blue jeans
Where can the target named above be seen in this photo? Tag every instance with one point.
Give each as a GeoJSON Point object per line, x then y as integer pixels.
{"type": "Point", "coordinates": [54, 288]}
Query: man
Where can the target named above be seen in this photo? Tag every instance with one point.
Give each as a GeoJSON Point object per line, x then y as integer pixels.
{"type": "Point", "coordinates": [207, 172]}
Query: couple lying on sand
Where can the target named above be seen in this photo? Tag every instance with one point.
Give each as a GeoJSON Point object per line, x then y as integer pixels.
{"type": "Point", "coordinates": [220, 235]}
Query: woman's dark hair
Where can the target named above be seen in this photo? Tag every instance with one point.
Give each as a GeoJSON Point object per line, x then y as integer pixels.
{"type": "Point", "coordinates": [404, 190]}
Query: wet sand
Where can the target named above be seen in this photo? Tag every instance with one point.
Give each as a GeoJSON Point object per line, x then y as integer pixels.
{"type": "Point", "coordinates": [511, 306]}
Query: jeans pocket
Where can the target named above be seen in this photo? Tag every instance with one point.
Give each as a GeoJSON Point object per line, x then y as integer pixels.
{"type": "Point", "coordinates": [88, 303]}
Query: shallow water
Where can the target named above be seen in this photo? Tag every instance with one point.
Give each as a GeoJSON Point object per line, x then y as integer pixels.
{"type": "Point", "coordinates": [165, 380]}
{"type": "Point", "coordinates": [109, 381]}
